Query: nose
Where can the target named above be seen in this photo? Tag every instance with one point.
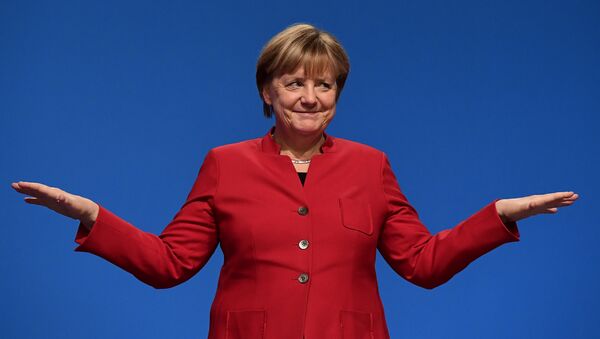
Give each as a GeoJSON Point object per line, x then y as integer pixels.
{"type": "Point", "coordinates": [309, 96]}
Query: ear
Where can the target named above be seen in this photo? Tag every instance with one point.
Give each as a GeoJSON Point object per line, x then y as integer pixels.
{"type": "Point", "coordinates": [266, 95]}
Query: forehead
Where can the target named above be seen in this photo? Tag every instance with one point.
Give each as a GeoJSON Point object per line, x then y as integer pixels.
{"type": "Point", "coordinates": [309, 64]}
{"type": "Point", "coordinates": [301, 72]}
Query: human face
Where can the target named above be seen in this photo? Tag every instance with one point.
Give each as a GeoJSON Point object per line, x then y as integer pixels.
{"type": "Point", "coordinates": [302, 104]}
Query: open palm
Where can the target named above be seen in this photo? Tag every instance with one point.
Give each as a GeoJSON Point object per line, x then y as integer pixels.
{"type": "Point", "coordinates": [511, 210]}
{"type": "Point", "coordinates": [67, 204]}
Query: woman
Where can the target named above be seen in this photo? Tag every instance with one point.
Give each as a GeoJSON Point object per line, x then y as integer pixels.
{"type": "Point", "coordinates": [298, 214]}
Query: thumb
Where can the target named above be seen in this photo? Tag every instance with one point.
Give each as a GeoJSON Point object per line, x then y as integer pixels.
{"type": "Point", "coordinates": [34, 201]}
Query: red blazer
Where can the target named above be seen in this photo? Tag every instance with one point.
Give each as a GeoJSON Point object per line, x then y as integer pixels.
{"type": "Point", "coordinates": [299, 261]}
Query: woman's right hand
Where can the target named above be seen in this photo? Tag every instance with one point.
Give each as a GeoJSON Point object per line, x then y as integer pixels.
{"type": "Point", "coordinates": [70, 205]}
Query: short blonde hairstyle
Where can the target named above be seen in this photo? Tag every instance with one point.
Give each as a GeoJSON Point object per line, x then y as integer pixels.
{"type": "Point", "coordinates": [301, 45]}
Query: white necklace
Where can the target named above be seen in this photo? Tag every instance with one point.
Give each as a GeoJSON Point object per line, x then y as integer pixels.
{"type": "Point", "coordinates": [300, 162]}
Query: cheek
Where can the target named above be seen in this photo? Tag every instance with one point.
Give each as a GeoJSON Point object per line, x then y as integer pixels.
{"type": "Point", "coordinates": [329, 99]}
{"type": "Point", "coordinates": [284, 100]}
{"type": "Point", "coordinates": [330, 104]}
{"type": "Point", "coordinates": [289, 101]}
{"type": "Point", "coordinates": [331, 114]}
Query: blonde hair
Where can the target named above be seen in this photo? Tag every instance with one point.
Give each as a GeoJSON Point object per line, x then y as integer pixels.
{"type": "Point", "coordinates": [301, 45]}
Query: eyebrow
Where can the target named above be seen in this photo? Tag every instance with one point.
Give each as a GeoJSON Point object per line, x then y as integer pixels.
{"type": "Point", "coordinates": [288, 77]}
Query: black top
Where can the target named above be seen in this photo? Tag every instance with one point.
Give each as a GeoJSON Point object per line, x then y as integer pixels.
{"type": "Point", "coordinates": [302, 176]}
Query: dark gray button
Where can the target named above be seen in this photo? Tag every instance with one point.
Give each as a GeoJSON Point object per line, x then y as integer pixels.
{"type": "Point", "coordinates": [303, 210]}
{"type": "Point", "coordinates": [303, 244]}
{"type": "Point", "coordinates": [303, 278]}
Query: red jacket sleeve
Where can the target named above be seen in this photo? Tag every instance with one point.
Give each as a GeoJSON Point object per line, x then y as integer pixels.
{"type": "Point", "coordinates": [430, 260]}
{"type": "Point", "coordinates": [175, 255]}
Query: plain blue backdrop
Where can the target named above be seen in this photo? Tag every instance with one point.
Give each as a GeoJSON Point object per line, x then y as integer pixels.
{"type": "Point", "coordinates": [119, 101]}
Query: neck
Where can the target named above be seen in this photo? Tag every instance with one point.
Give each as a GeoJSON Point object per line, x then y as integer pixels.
{"type": "Point", "coordinates": [298, 146]}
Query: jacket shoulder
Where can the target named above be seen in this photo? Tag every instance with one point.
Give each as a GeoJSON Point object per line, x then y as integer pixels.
{"type": "Point", "coordinates": [237, 148]}
{"type": "Point", "coordinates": [357, 148]}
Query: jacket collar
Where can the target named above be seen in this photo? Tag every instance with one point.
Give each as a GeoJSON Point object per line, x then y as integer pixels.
{"type": "Point", "coordinates": [270, 146]}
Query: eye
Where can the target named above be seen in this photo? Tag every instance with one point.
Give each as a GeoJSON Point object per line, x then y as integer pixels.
{"type": "Point", "coordinates": [325, 85]}
{"type": "Point", "coordinates": [294, 84]}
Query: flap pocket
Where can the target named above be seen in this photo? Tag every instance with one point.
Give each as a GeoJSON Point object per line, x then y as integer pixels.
{"type": "Point", "coordinates": [356, 325]}
{"type": "Point", "coordinates": [246, 324]}
{"type": "Point", "coordinates": [356, 215]}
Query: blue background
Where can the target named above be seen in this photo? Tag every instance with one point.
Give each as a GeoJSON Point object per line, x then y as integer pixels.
{"type": "Point", "coordinates": [472, 101]}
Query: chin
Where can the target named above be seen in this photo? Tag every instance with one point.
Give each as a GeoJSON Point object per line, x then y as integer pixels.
{"type": "Point", "coordinates": [309, 129]}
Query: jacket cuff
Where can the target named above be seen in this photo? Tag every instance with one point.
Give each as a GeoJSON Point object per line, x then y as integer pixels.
{"type": "Point", "coordinates": [85, 236]}
{"type": "Point", "coordinates": [510, 228]}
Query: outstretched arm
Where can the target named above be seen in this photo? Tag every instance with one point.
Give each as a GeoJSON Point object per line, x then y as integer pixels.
{"type": "Point", "coordinates": [162, 261]}
{"type": "Point", "coordinates": [429, 260]}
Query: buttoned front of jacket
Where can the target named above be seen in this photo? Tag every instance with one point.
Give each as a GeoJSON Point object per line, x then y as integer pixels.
{"type": "Point", "coordinates": [298, 260]}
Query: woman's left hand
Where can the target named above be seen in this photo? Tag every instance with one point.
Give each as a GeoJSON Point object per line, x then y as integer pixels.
{"type": "Point", "coordinates": [511, 210]}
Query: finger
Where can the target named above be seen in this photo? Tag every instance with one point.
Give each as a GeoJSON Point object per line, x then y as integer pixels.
{"type": "Point", "coordinates": [575, 196]}
{"type": "Point", "coordinates": [34, 201]}
{"type": "Point", "coordinates": [566, 195]}
{"type": "Point", "coordinates": [28, 184]}
{"type": "Point", "coordinates": [16, 186]}
{"type": "Point", "coordinates": [550, 211]}
{"type": "Point", "coordinates": [37, 190]}
{"type": "Point", "coordinates": [21, 185]}
{"type": "Point", "coordinates": [550, 199]}
{"type": "Point", "coordinates": [558, 195]}
{"type": "Point", "coordinates": [566, 202]}
{"type": "Point", "coordinates": [558, 203]}
{"type": "Point", "coordinates": [33, 185]}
